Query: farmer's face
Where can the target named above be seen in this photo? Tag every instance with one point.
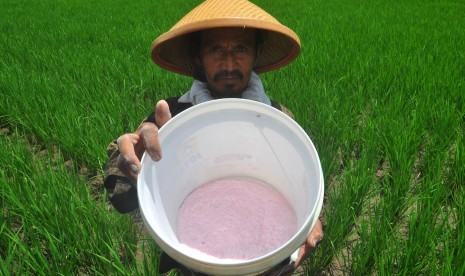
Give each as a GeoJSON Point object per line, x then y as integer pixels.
{"type": "Point", "coordinates": [227, 56]}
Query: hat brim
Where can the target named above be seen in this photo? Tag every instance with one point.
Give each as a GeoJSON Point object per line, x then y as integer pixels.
{"type": "Point", "coordinates": [280, 47]}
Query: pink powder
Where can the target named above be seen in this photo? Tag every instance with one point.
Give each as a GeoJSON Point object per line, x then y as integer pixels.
{"type": "Point", "coordinates": [238, 219]}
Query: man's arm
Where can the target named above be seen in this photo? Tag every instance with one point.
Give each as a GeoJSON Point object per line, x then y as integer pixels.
{"type": "Point", "coordinates": [124, 156]}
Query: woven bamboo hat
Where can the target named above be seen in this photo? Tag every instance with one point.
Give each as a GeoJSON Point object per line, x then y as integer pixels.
{"type": "Point", "coordinates": [281, 45]}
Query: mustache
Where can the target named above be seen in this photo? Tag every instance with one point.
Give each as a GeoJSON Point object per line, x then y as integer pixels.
{"type": "Point", "coordinates": [225, 73]}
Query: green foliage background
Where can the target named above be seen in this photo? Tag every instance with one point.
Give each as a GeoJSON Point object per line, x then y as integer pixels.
{"type": "Point", "coordinates": [379, 87]}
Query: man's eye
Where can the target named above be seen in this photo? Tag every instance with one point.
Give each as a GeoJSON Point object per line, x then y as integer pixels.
{"type": "Point", "coordinates": [241, 49]}
{"type": "Point", "coordinates": [215, 49]}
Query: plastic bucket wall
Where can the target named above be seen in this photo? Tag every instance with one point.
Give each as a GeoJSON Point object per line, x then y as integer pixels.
{"type": "Point", "coordinates": [229, 138]}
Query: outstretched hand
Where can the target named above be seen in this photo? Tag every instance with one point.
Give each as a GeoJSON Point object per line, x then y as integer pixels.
{"type": "Point", "coordinates": [132, 145]}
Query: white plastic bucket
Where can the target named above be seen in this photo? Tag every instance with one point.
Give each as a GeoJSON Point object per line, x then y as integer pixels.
{"type": "Point", "coordinates": [229, 138]}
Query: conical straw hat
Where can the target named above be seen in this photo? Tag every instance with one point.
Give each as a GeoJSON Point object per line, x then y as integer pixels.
{"type": "Point", "coordinates": [281, 45]}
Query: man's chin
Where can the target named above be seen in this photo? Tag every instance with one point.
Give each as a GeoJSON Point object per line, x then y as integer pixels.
{"type": "Point", "coordinates": [227, 93]}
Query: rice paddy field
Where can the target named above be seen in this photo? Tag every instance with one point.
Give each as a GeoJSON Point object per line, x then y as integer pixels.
{"type": "Point", "coordinates": [379, 87]}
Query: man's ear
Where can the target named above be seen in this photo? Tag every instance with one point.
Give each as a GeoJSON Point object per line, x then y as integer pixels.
{"type": "Point", "coordinates": [195, 64]}
{"type": "Point", "coordinates": [196, 67]}
{"type": "Point", "coordinates": [258, 53]}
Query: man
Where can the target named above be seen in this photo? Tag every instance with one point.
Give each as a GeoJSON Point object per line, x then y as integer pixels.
{"type": "Point", "coordinates": [223, 45]}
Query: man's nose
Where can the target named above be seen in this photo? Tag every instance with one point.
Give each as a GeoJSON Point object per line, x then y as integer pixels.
{"type": "Point", "coordinates": [229, 61]}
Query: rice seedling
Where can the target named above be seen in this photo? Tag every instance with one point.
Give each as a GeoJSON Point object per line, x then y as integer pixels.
{"type": "Point", "coordinates": [379, 87]}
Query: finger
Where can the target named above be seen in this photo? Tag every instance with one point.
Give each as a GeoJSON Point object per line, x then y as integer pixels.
{"type": "Point", "coordinates": [149, 137]}
{"type": "Point", "coordinates": [316, 235]}
{"type": "Point", "coordinates": [162, 113]}
{"type": "Point", "coordinates": [301, 255]}
{"type": "Point", "coordinates": [312, 240]}
{"type": "Point", "coordinates": [127, 161]}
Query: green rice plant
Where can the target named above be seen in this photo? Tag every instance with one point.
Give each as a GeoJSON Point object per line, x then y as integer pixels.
{"type": "Point", "coordinates": [50, 223]}
{"type": "Point", "coordinates": [379, 88]}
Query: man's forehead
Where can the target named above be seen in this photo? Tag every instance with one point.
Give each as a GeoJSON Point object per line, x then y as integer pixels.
{"type": "Point", "coordinates": [221, 34]}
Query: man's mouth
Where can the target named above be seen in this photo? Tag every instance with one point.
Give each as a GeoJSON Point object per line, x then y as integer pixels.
{"type": "Point", "coordinates": [228, 75]}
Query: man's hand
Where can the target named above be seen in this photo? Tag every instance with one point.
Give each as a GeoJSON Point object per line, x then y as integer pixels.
{"type": "Point", "coordinates": [315, 236]}
{"type": "Point", "coordinates": [132, 145]}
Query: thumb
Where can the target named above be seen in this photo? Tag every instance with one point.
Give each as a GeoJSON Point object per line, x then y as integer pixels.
{"type": "Point", "coordinates": [162, 113]}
